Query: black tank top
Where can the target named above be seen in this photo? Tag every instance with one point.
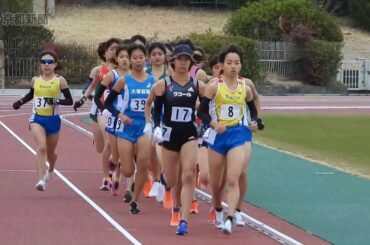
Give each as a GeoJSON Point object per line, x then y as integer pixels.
{"type": "Point", "coordinates": [179, 103]}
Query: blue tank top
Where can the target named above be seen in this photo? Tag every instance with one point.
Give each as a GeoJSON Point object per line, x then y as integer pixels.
{"type": "Point", "coordinates": [118, 101]}
{"type": "Point", "coordinates": [135, 95]}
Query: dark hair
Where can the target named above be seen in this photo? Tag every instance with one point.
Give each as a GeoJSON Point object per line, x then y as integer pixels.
{"type": "Point", "coordinates": [101, 51]}
{"type": "Point", "coordinates": [199, 58]}
{"type": "Point", "coordinates": [172, 64]}
{"type": "Point", "coordinates": [214, 61]}
{"type": "Point", "coordinates": [110, 41]}
{"type": "Point", "coordinates": [135, 46]}
{"type": "Point", "coordinates": [139, 37]}
{"type": "Point", "coordinates": [232, 49]}
{"type": "Point", "coordinates": [187, 42]}
{"type": "Point", "coordinates": [169, 46]}
{"type": "Point", "coordinates": [156, 45]}
{"type": "Point", "coordinates": [126, 42]}
{"type": "Point", "coordinates": [120, 48]}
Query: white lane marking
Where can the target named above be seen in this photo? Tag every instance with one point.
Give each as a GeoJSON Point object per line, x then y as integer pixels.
{"type": "Point", "coordinates": [258, 225]}
{"type": "Point", "coordinates": [313, 107]}
{"type": "Point", "coordinates": [79, 192]}
{"type": "Point", "coordinates": [64, 171]}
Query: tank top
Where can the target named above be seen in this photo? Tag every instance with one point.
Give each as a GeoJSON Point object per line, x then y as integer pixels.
{"type": "Point", "coordinates": [150, 72]}
{"type": "Point", "coordinates": [193, 71]}
{"type": "Point", "coordinates": [179, 103]}
{"type": "Point", "coordinates": [42, 91]}
{"type": "Point", "coordinates": [229, 105]}
{"type": "Point", "coordinates": [135, 95]}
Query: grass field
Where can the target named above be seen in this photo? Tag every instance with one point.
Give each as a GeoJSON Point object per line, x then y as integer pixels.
{"type": "Point", "coordinates": [100, 22]}
{"type": "Point", "coordinates": [341, 141]}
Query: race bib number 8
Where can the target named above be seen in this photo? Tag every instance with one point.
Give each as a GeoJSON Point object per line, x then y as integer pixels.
{"type": "Point", "coordinates": [181, 114]}
{"type": "Point", "coordinates": [41, 103]}
{"type": "Point", "coordinates": [230, 112]}
{"type": "Point", "coordinates": [137, 104]}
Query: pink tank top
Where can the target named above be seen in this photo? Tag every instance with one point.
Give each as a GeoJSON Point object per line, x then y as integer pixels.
{"type": "Point", "coordinates": [193, 71]}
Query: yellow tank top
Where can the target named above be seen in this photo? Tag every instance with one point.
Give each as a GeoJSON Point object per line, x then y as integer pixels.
{"type": "Point", "coordinates": [229, 105]}
{"type": "Point", "coordinates": [42, 90]}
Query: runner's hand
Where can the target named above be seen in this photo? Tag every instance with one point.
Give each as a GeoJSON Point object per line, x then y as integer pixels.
{"type": "Point", "coordinates": [218, 127]}
{"type": "Point", "coordinates": [50, 101]}
{"type": "Point", "coordinates": [148, 131]}
{"type": "Point", "coordinates": [260, 124]}
{"type": "Point", "coordinates": [17, 104]}
{"type": "Point", "coordinates": [254, 126]}
{"type": "Point", "coordinates": [125, 119]}
{"type": "Point", "coordinates": [79, 103]}
{"type": "Point", "coordinates": [158, 135]}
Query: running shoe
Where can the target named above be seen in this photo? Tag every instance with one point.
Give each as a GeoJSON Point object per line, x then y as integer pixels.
{"type": "Point", "coordinates": [219, 220]}
{"type": "Point", "coordinates": [175, 217]}
{"type": "Point", "coordinates": [147, 187]}
{"type": "Point", "coordinates": [212, 216]}
{"type": "Point", "coordinates": [127, 197]}
{"type": "Point", "coordinates": [106, 185]}
{"type": "Point", "coordinates": [133, 208]}
{"type": "Point", "coordinates": [159, 197]}
{"type": "Point", "coordinates": [239, 221]}
{"type": "Point", "coordinates": [154, 190]}
{"type": "Point", "coordinates": [194, 207]}
{"type": "Point", "coordinates": [40, 186]}
{"type": "Point", "coordinates": [168, 200]}
{"type": "Point", "coordinates": [182, 229]}
{"type": "Point", "coordinates": [115, 188]}
{"type": "Point", "coordinates": [227, 226]}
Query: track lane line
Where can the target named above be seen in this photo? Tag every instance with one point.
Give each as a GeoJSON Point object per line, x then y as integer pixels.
{"type": "Point", "coordinates": [256, 224]}
{"type": "Point", "coordinates": [101, 211]}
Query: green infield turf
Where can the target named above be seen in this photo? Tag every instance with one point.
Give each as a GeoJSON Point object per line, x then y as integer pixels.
{"type": "Point", "coordinates": [342, 141]}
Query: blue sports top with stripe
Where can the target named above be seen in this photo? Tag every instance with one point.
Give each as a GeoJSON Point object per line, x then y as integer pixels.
{"type": "Point", "coordinates": [134, 96]}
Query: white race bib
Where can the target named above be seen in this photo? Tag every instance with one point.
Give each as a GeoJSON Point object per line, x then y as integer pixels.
{"type": "Point", "coordinates": [110, 122]}
{"type": "Point", "coordinates": [166, 133]}
{"type": "Point", "coordinates": [181, 114]}
{"type": "Point", "coordinates": [137, 104]}
{"type": "Point", "coordinates": [230, 112]}
{"type": "Point", "coordinates": [119, 125]}
{"type": "Point", "coordinates": [40, 103]}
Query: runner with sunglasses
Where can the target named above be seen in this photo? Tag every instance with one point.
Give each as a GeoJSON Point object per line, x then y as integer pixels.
{"type": "Point", "coordinates": [45, 122]}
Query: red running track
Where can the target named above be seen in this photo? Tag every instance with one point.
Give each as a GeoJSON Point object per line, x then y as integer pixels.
{"type": "Point", "coordinates": [60, 216]}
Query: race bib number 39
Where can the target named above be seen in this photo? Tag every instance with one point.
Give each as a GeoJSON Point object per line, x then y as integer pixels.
{"type": "Point", "coordinates": [230, 112]}
{"type": "Point", "coordinates": [181, 114]}
{"type": "Point", "coordinates": [41, 103]}
{"type": "Point", "coordinates": [137, 104]}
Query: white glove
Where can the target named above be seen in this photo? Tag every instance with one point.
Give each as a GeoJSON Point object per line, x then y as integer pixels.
{"type": "Point", "coordinates": [158, 135]}
{"type": "Point", "coordinates": [148, 131]}
{"type": "Point", "coordinates": [106, 113]}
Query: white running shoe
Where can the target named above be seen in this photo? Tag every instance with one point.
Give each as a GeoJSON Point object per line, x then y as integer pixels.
{"type": "Point", "coordinates": [227, 227]}
{"type": "Point", "coordinates": [159, 197]}
{"type": "Point", "coordinates": [154, 190]}
{"type": "Point", "coordinates": [40, 185]}
{"type": "Point", "coordinates": [219, 220]}
{"type": "Point", "coordinates": [239, 221]}
{"type": "Point", "coordinates": [48, 175]}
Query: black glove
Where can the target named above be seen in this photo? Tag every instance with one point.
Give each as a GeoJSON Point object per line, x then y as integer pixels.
{"type": "Point", "coordinates": [50, 101]}
{"type": "Point", "coordinates": [79, 103]}
{"type": "Point", "coordinates": [17, 104]}
{"type": "Point", "coordinates": [260, 124]}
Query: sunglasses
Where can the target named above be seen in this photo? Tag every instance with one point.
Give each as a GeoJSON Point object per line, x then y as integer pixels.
{"type": "Point", "coordinates": [47, 61]}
